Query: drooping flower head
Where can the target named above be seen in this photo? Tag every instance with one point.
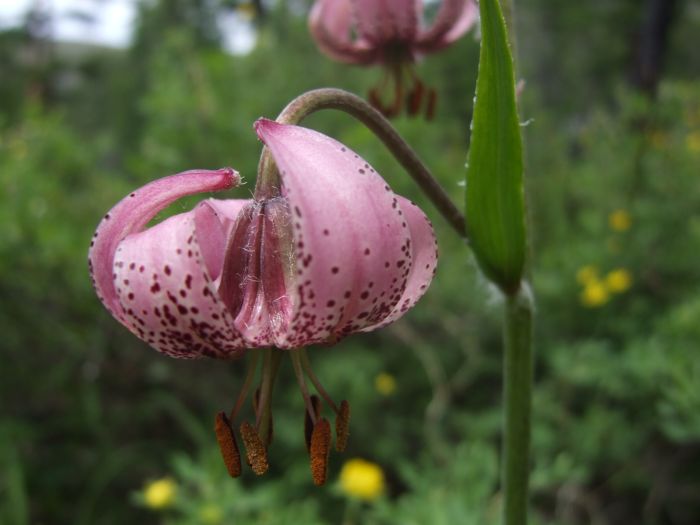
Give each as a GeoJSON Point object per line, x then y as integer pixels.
{"type": "Point", "coordinates": [329, 251]}
{"type": "Point", "coordinates": [391, 33]}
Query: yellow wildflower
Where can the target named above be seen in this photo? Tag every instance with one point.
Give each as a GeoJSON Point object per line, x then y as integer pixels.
{"type": "Point", "coordinates": [160, 494]}
{"type": "Point", "coordinates": [385, 384]}
{"type": "Point", "coordinates": [362, 479]}
{"type": "Point", "coordinates": [620, 220]}
{"type": "Point", "coordinates": [692, 140]}
{"type": "Point", "coordinates": [594, 294]}
{"type": "Point", "coordinates": [587, 274]}
{"type": "Point", "coordinates": [618, 280]}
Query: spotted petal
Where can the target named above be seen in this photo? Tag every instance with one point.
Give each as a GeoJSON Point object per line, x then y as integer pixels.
{"type": "Point", "coordinates": [351, 237]}
{"type": "Point", "coordinates": [121, 281]}
{"type": "Point", "coordinates": [166, 291]}
{"type": "Point", "coordinates": [424, 254]}
{"type": "Point", "coordinates": [132, 214]}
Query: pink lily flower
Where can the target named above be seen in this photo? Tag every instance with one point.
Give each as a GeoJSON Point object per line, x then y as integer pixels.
{"type": "Point", "coordinates": [391, 33]}
{"type": "Point", "coordinates": [333, 252]}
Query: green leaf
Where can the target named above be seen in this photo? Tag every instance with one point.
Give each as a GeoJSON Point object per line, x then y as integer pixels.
{"type": "Point", "coordinates": [495, 210]}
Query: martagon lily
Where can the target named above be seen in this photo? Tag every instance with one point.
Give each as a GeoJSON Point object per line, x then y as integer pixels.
{"type": "Point", "coordinates": [391, 33]}
{"type": "Point", "coordinates": [325, 250]}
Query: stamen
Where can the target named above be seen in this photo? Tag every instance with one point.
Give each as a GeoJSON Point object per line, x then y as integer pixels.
{"type": "Point", "coordinates": [256, 404]}
{"type": "Point", "coordinates": [227, 444]}
{"type": "Point", "coordinates": [296, 364]}
{"type": "Point", "coordinates": [342, 426]}
{"type": "Point", "coordinates": [255, 450]}
{"type": "Point", "coordinates": [263, 420]}
{"type": "Point", "coordinates": [250, 373]}
{"type": "Point", "coordinates": [415, 97]}
{"type": "Point", "coordinates": [309, 422]}
{"type": "Point", "coordinates": [319, 451]}
{"type": "Point", "coordinates": [395, 108]}
{"type": "Point", "coordinates": [306, 364]}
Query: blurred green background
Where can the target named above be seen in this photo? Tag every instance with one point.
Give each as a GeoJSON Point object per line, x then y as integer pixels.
{"type": "Point", "coordinates": [96, 428]}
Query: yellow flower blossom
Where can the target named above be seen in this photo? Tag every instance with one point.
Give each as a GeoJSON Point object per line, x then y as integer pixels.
{"type": "Point", "coordinates": [594, 294]}
{"type": "Point", "coordinates": [160, 494]}
{"type": "Point", "coordinates": [618, 280]}
{"type": "Point", "coordinates": [385, 384]}
{"type": "Point", "coordinates": [362, 479]}
{"type": "Point", "coordinates": [620, 220]}
{"type": "Point", "coordinates": [587, 274]}
{"type": "Point", "coordinates": [692, 140]}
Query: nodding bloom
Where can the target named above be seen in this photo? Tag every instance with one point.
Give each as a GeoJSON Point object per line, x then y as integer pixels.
{"type": "Point", "coordinates": [326, 250]}
{"type": "Point", "coordinates": [391, 33]}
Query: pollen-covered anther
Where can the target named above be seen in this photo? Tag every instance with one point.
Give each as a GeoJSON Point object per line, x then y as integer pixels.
{"type": "Point", "coordinates": [342, 426]}
{"type": "Point", "coordinates": [255, 450]}
{"type": "Point", "coordinates": [227, 444]}
{"type": "Point", "coordinates": [319, 451]}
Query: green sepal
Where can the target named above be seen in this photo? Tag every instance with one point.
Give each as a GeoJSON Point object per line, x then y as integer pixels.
{"type": "Point", "coordinates": [495, 209]}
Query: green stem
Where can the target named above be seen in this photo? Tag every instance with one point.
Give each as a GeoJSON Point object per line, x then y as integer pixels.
{"type": "Point", "coordinates": [331, 98]}
{"type": "Point", "coordinates": [517, 397]}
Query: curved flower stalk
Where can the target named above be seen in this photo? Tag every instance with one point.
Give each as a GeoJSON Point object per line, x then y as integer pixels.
{"type": "Point", "coordinates": [391, 33]}
{"type": "Point", "coordinates": [329, 252]}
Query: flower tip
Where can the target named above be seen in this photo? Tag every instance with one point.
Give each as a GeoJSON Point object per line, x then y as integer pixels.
{"type": "Point", "coordinates": [263, 126]}
{"type": "Point", "coordinates": [231, 177]}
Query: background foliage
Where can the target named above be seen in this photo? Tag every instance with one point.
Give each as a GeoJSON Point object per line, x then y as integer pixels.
{"type": "Point", "coordinates": [89, 415]}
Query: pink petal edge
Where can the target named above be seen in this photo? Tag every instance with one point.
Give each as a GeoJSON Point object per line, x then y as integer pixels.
{"type": "Point", "coordinates": [132, 214]}
{"type": "Point", "coordinates": [453, 19]}
{"type": "Point", "coordinates": [330, 23]}
{"type": "Point", "coordinates": [351, 238]}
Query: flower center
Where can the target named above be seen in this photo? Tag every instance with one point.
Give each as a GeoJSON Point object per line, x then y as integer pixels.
{"type": "Point", "coordinates": [257, 276]}
{"type": "Point", "coordinates": [400, 88]}
{"type": "Point", "coordinates": [257, 437]}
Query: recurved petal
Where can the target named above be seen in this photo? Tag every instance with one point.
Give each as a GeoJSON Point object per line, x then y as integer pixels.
{"type": "Point", "coordinates": [453, 19]}
{"type": "Point", "coordinates": [382, 21]}
{"type": "Point", "coordinates": [166, 294]}
{"type": "Point", "coordinates": [330, 24]}
{"type": "Point", "coordinates": [424, 254]}
{"type": "Point", "coordinates": [351, 238]}
{"type": "Point", "coordinates": [132, 214]}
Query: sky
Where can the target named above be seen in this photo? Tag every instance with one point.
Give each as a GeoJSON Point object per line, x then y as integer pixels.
{"type": "Point", "coordinates": [113, 24]}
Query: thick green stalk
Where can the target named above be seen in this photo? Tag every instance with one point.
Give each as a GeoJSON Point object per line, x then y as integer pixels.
{"type": "Point", "coordinates": [517, 398]}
